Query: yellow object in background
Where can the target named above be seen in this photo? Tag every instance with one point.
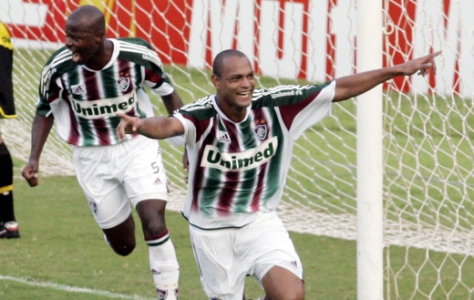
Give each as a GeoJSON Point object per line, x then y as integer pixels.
{"type": "Point", "coordinates": [5, 37]}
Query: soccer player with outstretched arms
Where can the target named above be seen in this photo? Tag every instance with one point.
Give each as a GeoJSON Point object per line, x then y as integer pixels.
{"type": "Point", "coordinates": [239, 142]}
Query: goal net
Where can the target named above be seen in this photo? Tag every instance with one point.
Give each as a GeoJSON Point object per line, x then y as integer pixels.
{"type": "Point", "coordinates": [428, 135]}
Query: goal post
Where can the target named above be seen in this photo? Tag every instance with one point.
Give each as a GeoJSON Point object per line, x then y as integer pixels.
{"type": "Point", "coordinates": [369, 155]}
{"type": "Point", "coordinates": [392, 169]}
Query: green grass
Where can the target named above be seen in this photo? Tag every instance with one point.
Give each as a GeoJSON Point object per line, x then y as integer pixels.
{"type": "Point", "coordinates": [60, 243]}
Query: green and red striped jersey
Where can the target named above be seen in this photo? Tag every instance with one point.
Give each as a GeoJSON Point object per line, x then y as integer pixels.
{"type": "Point", "coordinates": [237, 170]}
{"type": "Point", "coordinates": [84, 101]}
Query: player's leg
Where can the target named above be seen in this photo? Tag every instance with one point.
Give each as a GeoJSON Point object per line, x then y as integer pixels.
{"type": "Point", "coordinates": [281, 284]}
{"type": "Point", "coordinates": [122, 237]}
{"type": "Point", "coordinates": [146, 184]}
{"type": "Point", "coordinates": [8, 224]}
{"type": "Point", "coordinates": [278, 269]}
{"type": "Point", "coordinates": [106, 196]}
{"type": "Point", "coordinates": [222, 270]}
{"type": "Point", "coordinates": [163, 261]}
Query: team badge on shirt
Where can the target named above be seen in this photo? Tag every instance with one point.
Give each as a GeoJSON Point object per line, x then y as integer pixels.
{"type": "Point", "coordinates": [261, 131]}
{"type": "Point", "coordinates": [124, 83]}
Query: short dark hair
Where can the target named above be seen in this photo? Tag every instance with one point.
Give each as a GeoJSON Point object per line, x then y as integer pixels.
{"type": "Point", "coordinates": [218, 64]}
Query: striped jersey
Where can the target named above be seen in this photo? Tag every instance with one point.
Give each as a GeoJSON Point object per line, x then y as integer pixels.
{"type": "Point", "coordinates": [84, 101]}
{"type": "Point", "coordinates": [238, 170]}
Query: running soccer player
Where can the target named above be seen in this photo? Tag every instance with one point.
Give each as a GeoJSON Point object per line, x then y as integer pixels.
{"type": "Point", "coordinates": [239, 142]}
{"type": "Point", "coordinates": [82, 86]}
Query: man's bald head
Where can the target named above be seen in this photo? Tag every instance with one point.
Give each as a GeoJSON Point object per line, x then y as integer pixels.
{"type": "Point", "coordinates": [218, 66]}
{"type": "Point", "coordinates": [86, 37]}
{"type": "Point", "coordinates": [87, 18]}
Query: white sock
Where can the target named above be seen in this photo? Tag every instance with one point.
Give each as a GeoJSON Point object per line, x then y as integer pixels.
{"type": "Point", "coordinates": [164, 267]}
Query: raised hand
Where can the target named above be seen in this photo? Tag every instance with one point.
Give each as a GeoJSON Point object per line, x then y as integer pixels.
{"type": "Point", "coordinates": [422, 65]}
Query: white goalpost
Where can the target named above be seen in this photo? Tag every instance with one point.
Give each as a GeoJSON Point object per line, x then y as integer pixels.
{"type": "Point", "coordinates": [369, 156]}
{"type": "Point", "coordinates": [392, 169]}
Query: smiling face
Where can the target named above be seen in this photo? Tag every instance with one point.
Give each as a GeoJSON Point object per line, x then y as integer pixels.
{"type": "Point", "coordinates": [234, 85]}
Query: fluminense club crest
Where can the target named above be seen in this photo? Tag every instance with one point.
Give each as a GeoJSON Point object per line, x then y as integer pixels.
{"type": "Point", "coordinates": [261, 131]}
{"type": "Point", "coordinates": [124, 83]}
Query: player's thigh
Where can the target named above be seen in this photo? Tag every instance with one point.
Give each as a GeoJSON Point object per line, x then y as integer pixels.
{"type": "Point", "coordinates": [144, 176]}
{"type": "Point", "coordinates": [272, 247]}
{"type": "Point", "coordinates": [105, 194]}
{"type": "Point", "coordinates": [282, 284]}
{"type": "Point", "coordinates": [222, 276]}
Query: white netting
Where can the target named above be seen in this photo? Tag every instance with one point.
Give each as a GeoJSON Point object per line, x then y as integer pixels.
{"type": "Point", "coordinates": [429, 121]}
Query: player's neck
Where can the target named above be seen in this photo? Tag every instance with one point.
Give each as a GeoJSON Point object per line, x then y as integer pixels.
{"type": "Point", "coordinates": [234, 113]}
{"type": "Point", "coordinates": [104, 54]}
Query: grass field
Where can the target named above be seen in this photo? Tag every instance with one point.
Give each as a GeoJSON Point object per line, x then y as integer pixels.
{"type": "Point", "coordinates": [62, 254]}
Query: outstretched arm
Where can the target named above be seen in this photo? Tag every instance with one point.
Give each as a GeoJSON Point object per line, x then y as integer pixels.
{"type": "Point", "coordinates": [354, 85]}
{"type": "Point", "coordinates": [39, 134]}
{"type": "Point", "coordinates": [154, 127]}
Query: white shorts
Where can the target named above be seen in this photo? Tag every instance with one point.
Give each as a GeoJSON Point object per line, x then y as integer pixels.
{"type": "Point", "coordinates": [114, 176]}
{"type": "Point", "coordinates": [226, 256]}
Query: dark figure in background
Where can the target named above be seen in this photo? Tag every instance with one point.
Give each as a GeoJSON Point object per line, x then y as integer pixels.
{"type": "Point", "coordinates": [8, 225]}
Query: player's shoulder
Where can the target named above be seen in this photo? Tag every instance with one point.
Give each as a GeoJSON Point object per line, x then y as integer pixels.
{"type": "Point", "coordinates": [200, 109]}
{"type": "Point", "coordinates": [134, 41]}
{"type": "Point", "coordinates": [140, 52]}
{"type": "Point", "coordinates": [283, 94]}
{"type": "Point", "coordinates": [60, 61]}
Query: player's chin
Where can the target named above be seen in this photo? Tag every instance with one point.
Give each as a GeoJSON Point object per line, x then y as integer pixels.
{"type": "Point", "coordinates": [244, 102]}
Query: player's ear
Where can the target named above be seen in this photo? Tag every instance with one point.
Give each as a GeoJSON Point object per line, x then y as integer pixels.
{"type": "Point", "coordinates": [99, 36]}
{"type": "Point", "coordinates": [216, 81]}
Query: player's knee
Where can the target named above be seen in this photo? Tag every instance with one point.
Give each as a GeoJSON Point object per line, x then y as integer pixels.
{"type": "Point", "coordinates": [124, 250]}
{"type": "Point", "coordinates": [153, 228]}
{"type": "Point", "coordinates": [290, 295]}
{"type": "Point", "coordinates": [296, 294]}
{"type": "Point", "coordinates": [122, 246]}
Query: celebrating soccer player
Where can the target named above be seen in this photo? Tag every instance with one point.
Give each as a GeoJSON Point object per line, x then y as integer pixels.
{"type": "Point", "coordinates": [83, 85]}
{"type": "Point", "coordinates": [238, 143]}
